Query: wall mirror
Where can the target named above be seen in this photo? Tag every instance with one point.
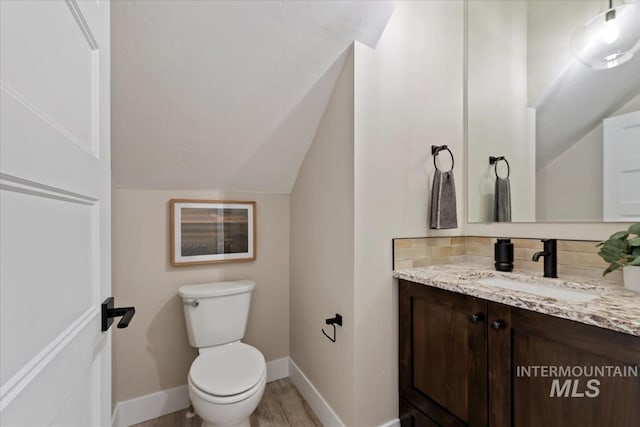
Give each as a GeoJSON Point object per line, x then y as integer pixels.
{"type": "Point", "coordinates": [559, 120]}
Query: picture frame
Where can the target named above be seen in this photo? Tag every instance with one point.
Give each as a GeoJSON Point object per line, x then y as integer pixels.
{"type": "Point", "coordinates": [212, 231]}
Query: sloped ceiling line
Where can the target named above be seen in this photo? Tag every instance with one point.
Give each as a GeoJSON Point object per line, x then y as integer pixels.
{"type": "Point", "coordinates": [581, 98]}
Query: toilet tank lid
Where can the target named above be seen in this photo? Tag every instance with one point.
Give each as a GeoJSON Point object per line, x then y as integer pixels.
{"type": "Point", "coordinates": [216, 289]}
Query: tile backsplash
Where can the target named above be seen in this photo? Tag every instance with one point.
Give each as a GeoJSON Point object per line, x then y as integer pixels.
{"type": "Point", "coordinates": [575, 257]}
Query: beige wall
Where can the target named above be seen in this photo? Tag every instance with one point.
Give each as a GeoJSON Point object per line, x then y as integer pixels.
{"type": "Point", "coordinates": [408, 96]}
{"type": "Point", "coordinates": [153, 353]}
{"type": "Point", "coordinates": [322, 252]}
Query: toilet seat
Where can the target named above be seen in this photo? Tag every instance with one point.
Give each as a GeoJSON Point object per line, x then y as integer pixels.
{"type": "Point", "coordinates": [227, 400]}
{"type": "Point", "coordinates": [230, 372]}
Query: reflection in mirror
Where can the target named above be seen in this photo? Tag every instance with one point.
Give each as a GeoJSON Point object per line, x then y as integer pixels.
{"type": "Point", "coordinates": [570, 132]}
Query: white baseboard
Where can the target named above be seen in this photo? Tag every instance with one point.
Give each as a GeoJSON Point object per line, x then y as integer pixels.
{"type": "Point", "coordinates": [392, 423]}
{"type": "Point", "coordinates": [164, 402]}
{"type": "Point", "coordinates": [152, 405]}
{"type": "Point", "coordinates": [277, 369]}
{"type": "Point", "coordinates": [115, 417]}
{"type": "Point", "coordinates": [325, 413]}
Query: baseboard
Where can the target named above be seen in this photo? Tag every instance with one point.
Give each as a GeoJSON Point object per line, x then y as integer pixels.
{"type": "Point", "coordinates": [277, 369]}
{"type": "Point", "coordinates": [164, 402]}
{"type": "Point", "coordinates": [151, 406]}
{"type": "Point", "coordinates": [115, 417]}
{"type": "Point", "coordinates": [392, 423]}
{"type": "Point", "coordinates": [325, 413]}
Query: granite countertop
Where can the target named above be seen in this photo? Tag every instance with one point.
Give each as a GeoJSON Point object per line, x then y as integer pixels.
{"type": "Point", "coordinates": [614, 308]}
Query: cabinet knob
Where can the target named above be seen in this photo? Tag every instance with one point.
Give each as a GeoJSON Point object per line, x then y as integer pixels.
{"type": "Point", "coordinates": [498, 324]}
{"type": "Point", "coordinates": [476, 317]}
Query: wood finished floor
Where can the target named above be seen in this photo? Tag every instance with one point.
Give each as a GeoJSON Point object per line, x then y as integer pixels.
{"type": "Point", "coordinates": [281, 406]}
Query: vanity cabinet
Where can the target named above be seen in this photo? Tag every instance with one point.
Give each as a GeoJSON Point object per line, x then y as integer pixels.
{"type": "Point", "coordinates": [467, 361]}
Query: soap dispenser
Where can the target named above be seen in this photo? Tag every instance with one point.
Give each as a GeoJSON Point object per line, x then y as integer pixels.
{"type": "Point", "coordinates": [503, 251]}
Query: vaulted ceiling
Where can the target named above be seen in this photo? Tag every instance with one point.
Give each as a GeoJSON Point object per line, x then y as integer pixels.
{"type": "Point", "coordinates": [226, 94]}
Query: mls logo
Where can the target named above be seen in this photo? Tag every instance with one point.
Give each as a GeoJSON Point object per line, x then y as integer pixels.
{"type": "Point", "coordinates": [571, 388]}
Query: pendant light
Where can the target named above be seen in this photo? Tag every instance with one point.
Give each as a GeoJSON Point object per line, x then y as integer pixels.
{"type": "Point", "coordinates": [610, 39]}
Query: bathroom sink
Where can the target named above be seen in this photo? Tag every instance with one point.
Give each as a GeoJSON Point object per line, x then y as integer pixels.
{"type": "Point", "coordinates": [540, 289]}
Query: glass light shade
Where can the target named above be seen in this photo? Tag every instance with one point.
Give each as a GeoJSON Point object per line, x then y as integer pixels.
{"type": "Point", "coordinates": [610, 39]}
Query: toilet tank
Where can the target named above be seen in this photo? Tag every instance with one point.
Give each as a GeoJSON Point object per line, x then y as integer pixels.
{"type": "Point", "coordinates": [216, 313]}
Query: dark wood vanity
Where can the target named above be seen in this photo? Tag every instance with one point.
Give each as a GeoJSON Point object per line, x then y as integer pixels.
{"type": "Point", "coordinates": [463, 362]}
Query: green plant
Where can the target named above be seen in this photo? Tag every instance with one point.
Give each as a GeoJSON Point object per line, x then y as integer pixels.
{"type": "Point", "coordinates": [621, 249]}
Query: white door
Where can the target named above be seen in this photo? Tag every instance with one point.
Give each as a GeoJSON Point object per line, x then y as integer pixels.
{"type": "Point", "coordinates": [621, 168]}
{"type": "Point", "coordinates": [55, 366]}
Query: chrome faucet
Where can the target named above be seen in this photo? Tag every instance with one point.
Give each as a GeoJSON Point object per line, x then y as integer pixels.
{"type": "Point", "coordinates": [550, 254]}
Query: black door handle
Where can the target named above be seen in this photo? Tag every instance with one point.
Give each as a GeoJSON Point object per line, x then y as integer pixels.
{"type": "Point", "coordinates": [108, 313]}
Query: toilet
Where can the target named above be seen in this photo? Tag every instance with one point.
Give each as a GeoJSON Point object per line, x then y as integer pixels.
{"type": "Point", "coordinates": [227, 379]}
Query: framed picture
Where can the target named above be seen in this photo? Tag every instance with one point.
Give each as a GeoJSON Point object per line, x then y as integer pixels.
{"type": "Point", "coordinates": [212, 231]}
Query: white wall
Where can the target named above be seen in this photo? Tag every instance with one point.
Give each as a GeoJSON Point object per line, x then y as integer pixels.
{"type": "Point", "coordinates": [499, 122]}
{"type": "Point", "coordinates": [153, 353]}
{"type": "Point", "coordinates": [322, 247]}
{"type": "Point", "coordinates": [408, 95]}
{"type": "Point", "coordinates": [377, 176]}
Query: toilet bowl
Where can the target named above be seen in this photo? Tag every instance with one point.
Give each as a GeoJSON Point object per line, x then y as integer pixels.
{"type": "Point", "coordinates": [227, 379]}
{"type": "Point", "coordinates": [226, 384]}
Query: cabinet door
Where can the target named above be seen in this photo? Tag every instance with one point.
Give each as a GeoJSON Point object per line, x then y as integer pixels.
{"type": "Point", "coordinates": [543, 371]}
{"type": "Point", "coordinates": [443, 354]}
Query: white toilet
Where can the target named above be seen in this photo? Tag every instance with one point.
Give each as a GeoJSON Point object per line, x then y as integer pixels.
{"type": "Point", "coordinates": [227, 379]}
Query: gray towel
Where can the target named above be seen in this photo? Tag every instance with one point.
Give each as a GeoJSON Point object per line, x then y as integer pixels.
{"type": "Point", "coordinates": [502, 201]}
{"type": "Point", "coordinates": [443, 201]}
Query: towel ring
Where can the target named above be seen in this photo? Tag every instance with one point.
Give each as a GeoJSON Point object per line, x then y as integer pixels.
{"type": "Point", "coordinates": [436, 149]}
{"type": "Point", "coordinates": [494, 161]}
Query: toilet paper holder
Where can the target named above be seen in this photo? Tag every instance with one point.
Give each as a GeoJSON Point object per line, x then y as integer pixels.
{"type": "Point", "coordinates": [333, 321]}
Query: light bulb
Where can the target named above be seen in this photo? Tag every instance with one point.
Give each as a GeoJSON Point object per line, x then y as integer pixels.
{"type": "Point", "coordinates": [610, 39]}
{"type": "Point", "coordinates": [610, 31]}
